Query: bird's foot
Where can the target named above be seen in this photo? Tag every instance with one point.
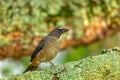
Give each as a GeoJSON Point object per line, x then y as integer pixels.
{"type": "Point", "coordinates": [52, 65]}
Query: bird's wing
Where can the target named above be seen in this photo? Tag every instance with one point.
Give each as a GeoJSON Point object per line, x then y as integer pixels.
{"type": "Point", "coordinates": [38, 48]}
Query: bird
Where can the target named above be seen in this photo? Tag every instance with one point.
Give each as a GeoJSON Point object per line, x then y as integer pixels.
{"type": "Point", "coordinates": [47, 48]}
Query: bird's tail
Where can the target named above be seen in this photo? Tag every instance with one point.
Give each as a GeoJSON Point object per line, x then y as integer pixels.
{"type": "Point", "coordinates": [31, 67]}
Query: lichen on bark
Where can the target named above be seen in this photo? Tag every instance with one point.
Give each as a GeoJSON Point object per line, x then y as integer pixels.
{"type": "Point", "coordinates": [105, 66]}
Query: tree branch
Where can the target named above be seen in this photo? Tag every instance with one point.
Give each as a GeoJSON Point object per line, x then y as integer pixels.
{"type": "Point", "coordinates": [96, 31]}
{"type": "Point", "coordinates": [105, 66]}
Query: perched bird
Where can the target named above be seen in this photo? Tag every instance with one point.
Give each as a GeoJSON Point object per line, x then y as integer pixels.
{"type": "Point", "coordinates": [46, 49]}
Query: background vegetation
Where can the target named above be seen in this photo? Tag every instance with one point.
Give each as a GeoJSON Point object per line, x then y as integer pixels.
{"type": "Point", "coordinates": [24, 22]}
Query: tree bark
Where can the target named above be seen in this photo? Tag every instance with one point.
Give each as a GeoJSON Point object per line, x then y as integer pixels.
{"type": "Point", "coordinates": [105, 66]}
{"type": "Point", "coordinates": [92, 33]}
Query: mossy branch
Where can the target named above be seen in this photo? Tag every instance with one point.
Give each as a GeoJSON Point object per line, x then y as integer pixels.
{"type": "Point", "coordinates": [105, 66]}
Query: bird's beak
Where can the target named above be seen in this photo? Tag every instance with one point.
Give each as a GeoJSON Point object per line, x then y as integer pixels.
{"type": "Point", "coordinates": [65, 30]}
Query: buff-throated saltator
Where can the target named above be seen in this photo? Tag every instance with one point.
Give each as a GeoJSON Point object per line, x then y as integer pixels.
{"type": "Point", "coordinates": [46, 49]}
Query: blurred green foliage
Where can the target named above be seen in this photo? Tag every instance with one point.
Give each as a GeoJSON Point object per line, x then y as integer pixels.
{"type": "Point", "coordinates": [25, 61]}
{"type": "Point", "coordinates": [38, 15]}
{"type": "Point", "coordinates": [6, 71]}
{"type": "Point", "coordinates": [3, 40]}
{"type": "Point", "coordinates": [93, 49]}
{"type": "Point", "coordinates": [34, 16]}
{"type": "Point", "coordinates": [76, 54]}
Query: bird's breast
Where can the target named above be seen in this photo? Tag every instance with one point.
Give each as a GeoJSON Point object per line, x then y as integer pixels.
{"type": "Point", "coordinates": [52, 47]}
{"type": "Point", "coordinates": [49, 50]}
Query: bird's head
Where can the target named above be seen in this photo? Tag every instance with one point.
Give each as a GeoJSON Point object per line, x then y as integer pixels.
{"type": "Point", "coordinates": [58, 31]}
